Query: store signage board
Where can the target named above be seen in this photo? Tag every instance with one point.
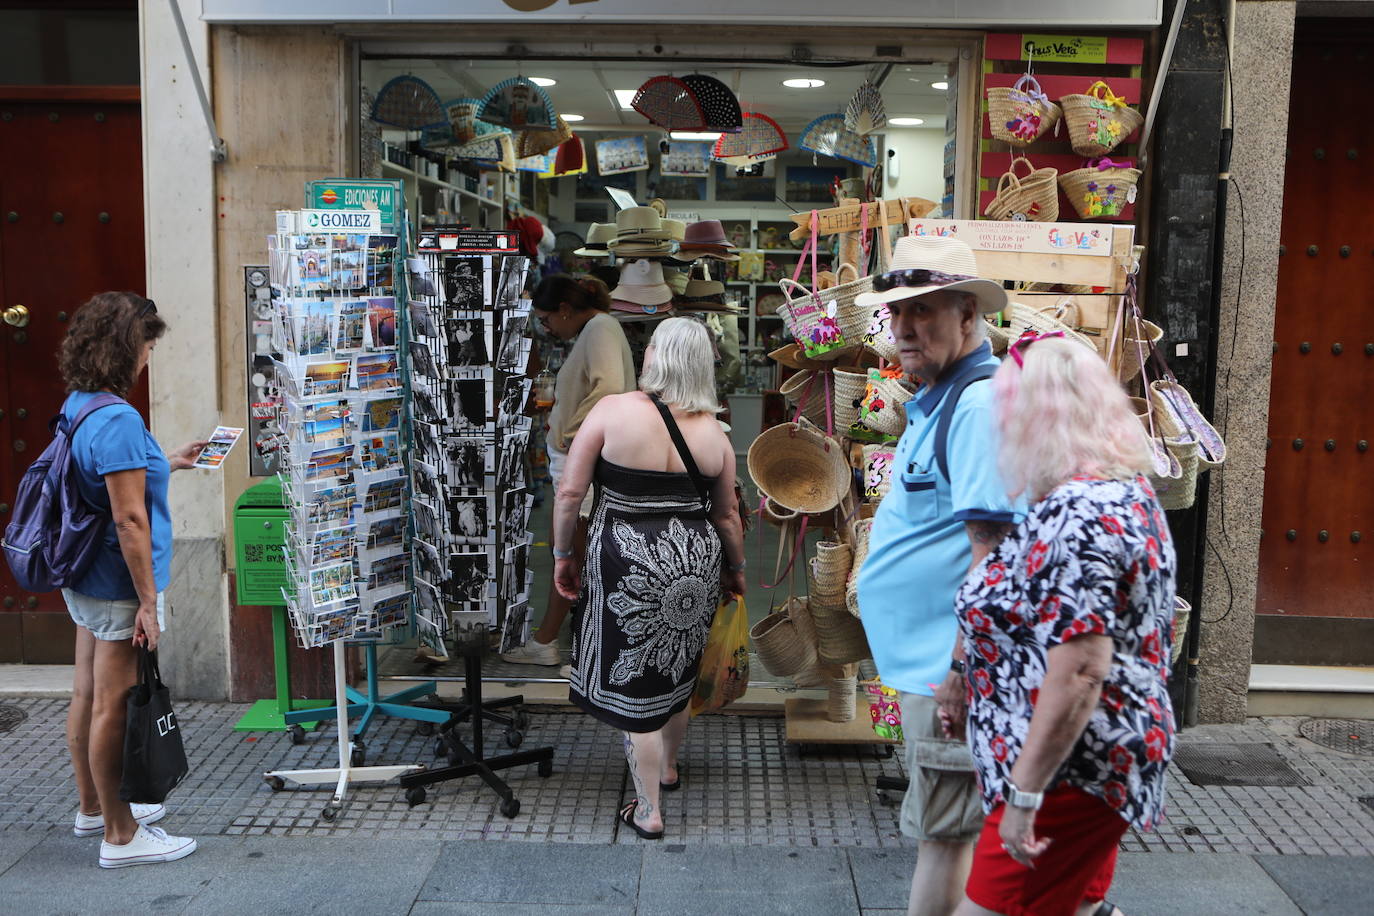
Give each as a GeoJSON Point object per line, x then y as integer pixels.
{"type": "Point", "coordinates": [351, 222]}
{"type": "Point", "coordinates": [381, 195]}
{"type": "Point", "coordinates": [1014, 237]}
{"type": "Point", "coordinates": [1066, 49]}
{"type": "Point", "coordinates": [1099, 14]}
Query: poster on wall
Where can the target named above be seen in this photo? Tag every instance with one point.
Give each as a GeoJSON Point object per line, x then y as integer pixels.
{"type": "Point", "coordinates": [621, 154]}
{"type": "Point", "coordinates": [688, 160]}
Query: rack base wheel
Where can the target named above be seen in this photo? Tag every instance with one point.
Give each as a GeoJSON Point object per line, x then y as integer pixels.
{"type": "Point", "coordinates": [545, 769]}
{"type": "Point", "coordinates": [522, 719]}
{"type": "Point", "coordinates": [415, 796]}
{"type": "Point", "coordinates": [510, 807]}
{"type": "Point", "coordinates": [424, 729]}
{"type": "Point", "coordinates": [514, 737]}
{"type": "Point", "coordinates": [275, 782]}
{"type": "Point", "coordinates": [296, 733]}
{"type": "Point", "coordinates": [440, 750]}
{"type": "Point", "coordinates": [358, 756]}
{"type": "Point", "coordinates": [330, 812]}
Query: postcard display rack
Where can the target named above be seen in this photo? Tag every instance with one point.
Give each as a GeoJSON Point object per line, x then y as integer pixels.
{"type": "Point", "coordinates": [468, 350]}
{"type": "Point", "coordinates": [342, 414]}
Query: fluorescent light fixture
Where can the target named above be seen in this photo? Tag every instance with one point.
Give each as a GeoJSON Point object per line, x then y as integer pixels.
{"type": "Point", "coordinates": [570, 118]}
{"type": "Point", "coordinates": [940, 84]}
{"type": "Point", "coordinates": [543, 81]}
{"type": "Point", "coordinates": [625, 97]}
{"type": "Point", "coordinates": [695, 135]}
{"type": "Point", "coordinates": [803, 82]}
{"type": "Point", "coordinates": [899, 122]}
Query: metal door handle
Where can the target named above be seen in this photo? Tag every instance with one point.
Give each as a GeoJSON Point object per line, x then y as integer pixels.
{"type": "Point", "coordinates": [16, 316]}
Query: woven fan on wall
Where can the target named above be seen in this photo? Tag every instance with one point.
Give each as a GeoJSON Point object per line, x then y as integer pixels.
{"type": "Point", "coordinates": [760, 137]}
{"type": "Point", "coordinates": [669, 103]}
{"type": "Point", "coordinates": [518, 104]}
{"type": "Point", "coordinates": [718, 104]}
{"type": "Point", "coordinates": [827, 136]}
{"type": "Point", "coordinates": [409, 103]}
{"type": "Point", "coordinates": [865, 112]}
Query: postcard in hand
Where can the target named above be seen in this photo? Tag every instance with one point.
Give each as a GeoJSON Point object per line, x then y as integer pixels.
{"type": "Point", "coordinates": [222, 440]}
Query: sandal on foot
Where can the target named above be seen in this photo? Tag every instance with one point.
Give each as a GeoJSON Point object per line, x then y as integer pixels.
{"type": "Point", "coordinates": [1105, 908]}
{"type": "Point", "coordinates": [674, 785]}
{"type": "Point", "coordinates": [627, 817]}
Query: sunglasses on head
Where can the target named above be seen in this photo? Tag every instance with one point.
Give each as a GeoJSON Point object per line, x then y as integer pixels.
{"type": "Point", "coordinates": [148, 306]}
{"type": "Point", "coordinates": [915, 276]}
{"type": "Point", "coordinates": [1025, 340]}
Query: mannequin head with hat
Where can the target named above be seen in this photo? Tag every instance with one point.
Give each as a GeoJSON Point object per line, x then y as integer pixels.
{"type": "Point", "coordinates": [564, 304]}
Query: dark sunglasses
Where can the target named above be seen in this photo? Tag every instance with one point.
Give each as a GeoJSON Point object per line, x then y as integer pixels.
{"type": "Point", "coordinates": [915, 276]}
{"type": "Point", "coordinates": [148, 306]}
{"type": "Point", "coordinates": [1025, 340]}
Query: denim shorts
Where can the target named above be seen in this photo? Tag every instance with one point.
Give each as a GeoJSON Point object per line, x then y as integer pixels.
{"type": "Point", "coordinates": [110, 619]}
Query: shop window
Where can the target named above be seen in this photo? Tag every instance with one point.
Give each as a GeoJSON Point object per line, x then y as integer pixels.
{"type": "Point", "coordinates": [56, 45]}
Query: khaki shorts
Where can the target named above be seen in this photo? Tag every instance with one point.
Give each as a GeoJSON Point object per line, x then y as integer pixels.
{"type": "Point", "coordinates": [942, 801]}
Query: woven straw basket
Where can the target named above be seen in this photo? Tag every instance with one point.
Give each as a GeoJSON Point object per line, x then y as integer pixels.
{"type": "Point", "coordinates": [808, 384]}
{"type": "Point", "coordinates": [1098, 121]}
{"type": "Point", "coordinates": [851, 589]}
{"type": "Point", "coordinates": [1033, 198]}
{"type": "Point", "coordinates": [853, 321]}
{"type": "Point", "coordinates": [1139, 337]}
{"type": "Point", "coordinates": [999, 338]}
{"type": "Point", "coordinates": [1179, 414]}
{"type": "Point", "coordinates": [1182, 611]}
{"type": "Point", "coordinates": [850, 384]}
{"type": "Point", "coordinates": [808, 321]}
{"type": "Point", "coordinates": [877, 334]}
{"type": "Point", "coordinates": [1062, 316]}
{"type": "Point", "coordinates": [840, 637]}
{"type": "Point", "coordinates": [877, 474]}
{"type": "Point", "coordinates": [842, 703]}
{"type": "Point", "coordinates": [786, 640]}
{"type": "Point", "coordinates": [883, 407]}
{"type": "Point", "coordinates": [1099, 192]}
{"type": "Point", "coordinates": [799, 467]}
{"type": "Point", "coordinates": [1178, 492]}
{"type": "Point", "coordinates": [1021, 114]}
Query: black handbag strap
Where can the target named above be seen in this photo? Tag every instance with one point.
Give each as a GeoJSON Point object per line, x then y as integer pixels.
{"type": "Point", "coordinates": [683, 452]}
{"type": "Point", "coordinates": [148, 673]}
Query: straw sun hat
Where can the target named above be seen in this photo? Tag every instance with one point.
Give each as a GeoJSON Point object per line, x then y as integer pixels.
{"type": "Point", "coordinates": [924, 264]}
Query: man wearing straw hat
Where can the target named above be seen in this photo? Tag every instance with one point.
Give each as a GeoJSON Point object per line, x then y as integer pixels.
{"type": "Point", "coordinates": [946, 509]}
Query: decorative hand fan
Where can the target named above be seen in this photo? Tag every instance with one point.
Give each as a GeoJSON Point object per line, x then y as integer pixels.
{"type": "Point", "coordinates": [759, 137]}
{"type": "Point", "coordinates": [537, 142]}
{"type": "Point", "coordinates": [518, 103]}
{"type": "Point", "coordinates": [669, 103]}
{"type": "Point", "coordinates": [488, 147]}
{"type": "Point", "coordinates": [571, 157]}
{"type": "Point", "coordinates": [463, 126]}
{"type": "Point", "coordinates": [828, 136]}
{"type": "Point", "coordinates": [409, 103]}
{"type": "Point", "coordinates": [718, 103]}
{"type": "Point", "coordinates": [865, 113]}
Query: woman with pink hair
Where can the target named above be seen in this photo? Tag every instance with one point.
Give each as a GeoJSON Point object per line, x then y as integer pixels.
{"type": "Point", "coordinates": [1066, 628]}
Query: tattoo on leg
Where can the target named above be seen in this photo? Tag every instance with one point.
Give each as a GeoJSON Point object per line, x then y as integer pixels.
{"type": "Point", "coordinates": [643, 807]}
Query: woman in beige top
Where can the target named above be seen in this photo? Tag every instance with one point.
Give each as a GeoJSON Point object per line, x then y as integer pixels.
{"type": "Point", "coordinates": [599, 364]}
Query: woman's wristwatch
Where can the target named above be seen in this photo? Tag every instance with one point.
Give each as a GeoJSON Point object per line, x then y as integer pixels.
{"type": "Point", "coordinates": [733, 568]}
{"type": "Point", "coordinates": [1018, 799]}
{"type": "Point", "coordinates": [562, 554]}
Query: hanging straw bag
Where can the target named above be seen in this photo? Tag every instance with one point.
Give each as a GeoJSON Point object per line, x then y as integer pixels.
{"type": "Point", "coordinates": [1098, 120]}
{"type": "Point", "coordinates": [785, 640]}
{"type": "Point", "coordinates": [799, 467]}
{"type": "Point", "coordinates": [840, 637]}
{"type": "Point", "coordinates": [1102, 188]}
{"type": "Point", "coordinates": [877, 474]}
{"type": "Point", "coordinates": [851, 590]}
{"type": "Point", "coordinates": [1022, 114]}
{"type": "Point", "coordinates": [807, 317]}
{"type": "Point", "coordinates": [1181, 416]}
{"type": "Point", "coordinates": [1140, 337]}
{"type": "Point", "coordinates": [851, 383]}
{"type": "Point", "coordinates": [853, 321]}
{"type": "Point", "coordinates": [805, 391]}
{"type": "Point", "coordinates": [1062, 316]}
{"type": "Point", "coordinates": [1033, 198]}
{"type": "Point", "coordinates": [883, 408]}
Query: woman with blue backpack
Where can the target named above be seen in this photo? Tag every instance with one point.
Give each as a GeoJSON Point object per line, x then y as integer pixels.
{"type": "Point", "coordinates": [117, 600]}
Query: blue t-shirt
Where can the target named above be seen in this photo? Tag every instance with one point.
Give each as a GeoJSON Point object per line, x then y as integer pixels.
{"type": "Point", "coordinates": [115, 439]}
{"type": "Point", "coordinates": [918, 549]}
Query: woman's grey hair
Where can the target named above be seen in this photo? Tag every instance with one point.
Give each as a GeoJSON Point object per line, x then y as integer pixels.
{"type": "Point", "coordinates": [682, 371]}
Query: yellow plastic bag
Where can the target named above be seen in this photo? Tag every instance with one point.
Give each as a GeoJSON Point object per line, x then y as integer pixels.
{"type": "Point", "coordinates": [724, 673]}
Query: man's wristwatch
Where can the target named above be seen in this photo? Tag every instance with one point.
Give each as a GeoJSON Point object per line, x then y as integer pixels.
{"type": "Point", "coordinates": [957, 666]}
{"type": "Point", "coordinates": [1018, 799]}
{"type": "Point", "coordinates": [562, 554]}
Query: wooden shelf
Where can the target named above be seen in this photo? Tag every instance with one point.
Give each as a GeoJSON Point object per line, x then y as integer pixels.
{"type": "Point", "coordinates": [401, 171]}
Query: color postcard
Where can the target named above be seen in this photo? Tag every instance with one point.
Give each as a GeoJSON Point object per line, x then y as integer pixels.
{"type": "Point", "coordinates": [222, 441]}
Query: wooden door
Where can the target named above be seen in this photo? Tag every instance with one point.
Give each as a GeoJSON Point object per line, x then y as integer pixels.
{"type": "Point", "coordinates": [71, 225]}
{"type": "Point", "coordinates": [1313, 597]}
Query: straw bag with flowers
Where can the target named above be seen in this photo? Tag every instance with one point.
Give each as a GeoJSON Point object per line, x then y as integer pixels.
{"type": "Point", "coordinates": [1063, 317]}
{"type": "Point", "coordinates": [1099, 120]}
{"type": "Point", "coordinates": [877, 471]}
{"type": "Point", "coordinates": [1020, 115]}
{"type": "Point", "coordinates": [882, 409]}
{"type": "Point", "coordinates": [1102, 188]}
{"type": "Point", "coordinates": [1032, 198]}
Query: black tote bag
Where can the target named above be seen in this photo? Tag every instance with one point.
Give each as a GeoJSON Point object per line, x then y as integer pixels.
{"type": "Point", "coordinates": [154, 758]}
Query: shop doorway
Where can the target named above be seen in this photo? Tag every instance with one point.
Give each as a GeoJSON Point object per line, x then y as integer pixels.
{"type": "Point", "coordinates": [71, 225]}
{"type": "Point", "coordinates": [1312, 605]}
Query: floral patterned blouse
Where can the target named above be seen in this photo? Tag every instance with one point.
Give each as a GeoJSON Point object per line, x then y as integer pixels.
{"type": "Point", "coordinates": [1093, 556]}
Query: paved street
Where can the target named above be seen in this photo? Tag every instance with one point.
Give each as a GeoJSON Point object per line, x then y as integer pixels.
{"type": "Point", "coordinates": [757, 829]}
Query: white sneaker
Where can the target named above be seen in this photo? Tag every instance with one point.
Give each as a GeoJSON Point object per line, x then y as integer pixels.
{"type": "Point", "coordinates": [533, 652]}
{"type": "Point", "coordinates": [149, 845]}
{"type": "Point", "coordinates": [91, 824]}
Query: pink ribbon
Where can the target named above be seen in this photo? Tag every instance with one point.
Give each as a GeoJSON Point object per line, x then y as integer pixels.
{"type": "Point", "coordinates": [1102, 163]}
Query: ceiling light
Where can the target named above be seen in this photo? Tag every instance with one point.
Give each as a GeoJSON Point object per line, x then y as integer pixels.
{"type": "Point", "coordinates": [804, 82]}
{"type": "Point", "coordinates": [695, 135]}
{"type": "Point", "coordinates": [571, 117]}
{"type": "Point", "coordinates": [543, 81]}
{"type": "Point", "coordinates": [942, 85]}
{"type": "Point", "coordinates": [906, 122]}
{"type": "Point", "coordinates": [625, 97]}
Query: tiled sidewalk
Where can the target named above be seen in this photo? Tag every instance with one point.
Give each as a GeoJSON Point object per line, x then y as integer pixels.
{"type": "Point", "coordinates": [742, 786]}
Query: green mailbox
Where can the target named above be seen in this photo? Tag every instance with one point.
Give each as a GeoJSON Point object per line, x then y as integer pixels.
{"type": "Point", "coordinates": [259, 536]}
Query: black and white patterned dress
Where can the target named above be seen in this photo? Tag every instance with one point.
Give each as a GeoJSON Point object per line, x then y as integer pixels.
{"type": "Point", "coordinates": [649, 591]}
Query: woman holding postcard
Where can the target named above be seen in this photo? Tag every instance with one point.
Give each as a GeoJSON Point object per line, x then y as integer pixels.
{"type": "Point", "coordinates": [599, 364]}
{"type": "Point", "coordinates": [117, 603]}
{"type": "Point", "coordinates": [664, 541]}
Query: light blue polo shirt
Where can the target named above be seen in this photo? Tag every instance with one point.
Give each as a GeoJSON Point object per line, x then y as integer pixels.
{"type": "Point", "coordinates": [918, 550]}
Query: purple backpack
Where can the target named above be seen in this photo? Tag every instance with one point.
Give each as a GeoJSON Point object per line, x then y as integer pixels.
{"type": "Point", "coordinates": [55, 533]}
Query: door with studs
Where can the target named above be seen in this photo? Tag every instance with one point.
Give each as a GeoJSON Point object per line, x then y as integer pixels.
{"type": "Point", "coordinates": [1313, 602]}
{"type": "Point", "coordinates": [71, 225]}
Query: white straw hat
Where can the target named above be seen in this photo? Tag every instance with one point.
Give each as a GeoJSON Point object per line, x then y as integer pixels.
{"type": "Point", "coordinates": [948, 264]}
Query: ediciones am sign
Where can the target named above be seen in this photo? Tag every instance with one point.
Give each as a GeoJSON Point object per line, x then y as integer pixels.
{"type": "Point", "coordinates": [381, 195]}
